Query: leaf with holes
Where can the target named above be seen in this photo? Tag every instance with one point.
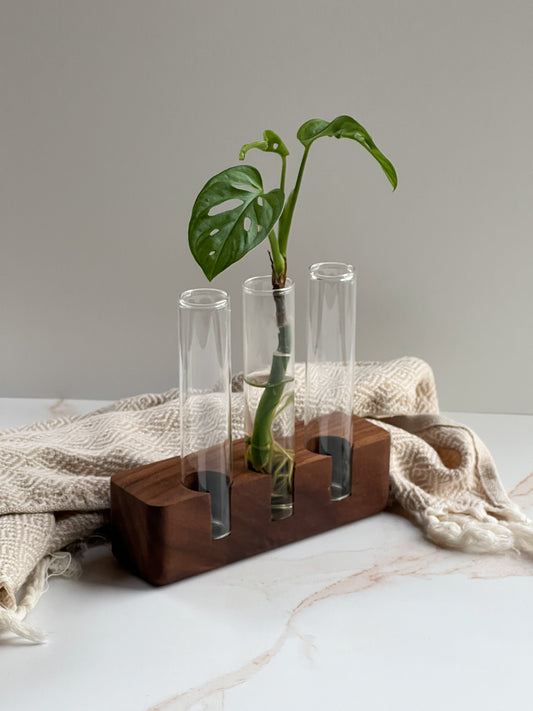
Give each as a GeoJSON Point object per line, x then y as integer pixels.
{"type": "Point", "coordinates": [346, 127]}
{"type": "Point", "coordinates": [230, 217]}
{"type": "Point", "coordinates": [271, 143]}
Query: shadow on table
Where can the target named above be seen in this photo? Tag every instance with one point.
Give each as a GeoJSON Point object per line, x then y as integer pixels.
{"type": "Point", "coordinates": [100, 567]}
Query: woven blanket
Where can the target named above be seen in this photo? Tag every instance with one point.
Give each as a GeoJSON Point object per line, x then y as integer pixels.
{"type": "Point", "coordinates": [54, 476]}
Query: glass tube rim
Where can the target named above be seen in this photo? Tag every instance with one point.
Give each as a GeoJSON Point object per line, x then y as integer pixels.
{"type": "Point", "coordinates": [252, 285]}
{"type": "Point", "coordinates": [219, 299]}
{"type": "Point", "coordinates": [345, 272]}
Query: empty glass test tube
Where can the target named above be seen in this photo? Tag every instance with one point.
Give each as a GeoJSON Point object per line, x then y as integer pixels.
{"type": "Point", "coordinates": [205, 399]}
{"type": "Point", "coordinates": [330, 368]}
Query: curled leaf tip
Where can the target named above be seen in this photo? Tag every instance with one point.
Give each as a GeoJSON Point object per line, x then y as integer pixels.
{"type": "Point", "coordinates": [261, 145]}
{"type": "Point", "coordinates": [271, 143]}
{"type": "Point", "coordinates": [392, 176]}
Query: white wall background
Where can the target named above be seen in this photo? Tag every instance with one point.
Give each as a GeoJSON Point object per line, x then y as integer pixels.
{"type": "Point", "coordinates": [115, 112]}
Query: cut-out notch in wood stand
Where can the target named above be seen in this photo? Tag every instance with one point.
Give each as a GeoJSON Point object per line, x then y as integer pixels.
{"type": "Point", "coordinates": [162, 530]}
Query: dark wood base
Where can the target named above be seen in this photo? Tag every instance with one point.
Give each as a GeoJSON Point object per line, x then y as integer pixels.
{"type": "Point", "coordinates": [162, 530]}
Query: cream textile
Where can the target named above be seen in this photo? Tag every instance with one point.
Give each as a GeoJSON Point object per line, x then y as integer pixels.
{"type": "Point", "coordinates": [54, 476]}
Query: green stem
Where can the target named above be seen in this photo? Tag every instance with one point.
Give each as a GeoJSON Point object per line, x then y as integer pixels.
{"type": "Point", "coordinates": [283, 171]}
{"type": "Point", "coordinates": [261, 441]}
{"type": "Point", "coordinates": [286, 217]}
{"type": "Point", "coordinates": [278, 263]}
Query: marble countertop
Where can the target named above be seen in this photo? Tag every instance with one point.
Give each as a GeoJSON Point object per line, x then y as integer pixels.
{"type": "Point", "coordinates": [368, 616]}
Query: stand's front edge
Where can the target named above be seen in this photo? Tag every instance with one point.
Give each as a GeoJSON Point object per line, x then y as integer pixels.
{"type": "Point", "coordinates": [162, 530]}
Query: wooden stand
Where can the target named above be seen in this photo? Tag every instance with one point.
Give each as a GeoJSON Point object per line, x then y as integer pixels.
{"type": "Point", "coordinates": [162, 530]}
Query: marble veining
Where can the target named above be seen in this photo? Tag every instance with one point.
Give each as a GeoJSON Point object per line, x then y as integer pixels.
{"type": "Point", "coordinates": [427, 562]}
{"type": "Point", "coordinates": [372, 604]}
{"type": "Point", "coordinates": [522, 492]}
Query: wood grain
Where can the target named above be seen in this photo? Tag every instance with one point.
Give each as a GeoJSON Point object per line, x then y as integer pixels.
{"type": "Point", "coordinates": [162, 529]}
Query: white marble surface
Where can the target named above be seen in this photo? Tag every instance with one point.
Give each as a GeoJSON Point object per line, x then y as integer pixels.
{"type": "Point", "coordinates": [369, 616]}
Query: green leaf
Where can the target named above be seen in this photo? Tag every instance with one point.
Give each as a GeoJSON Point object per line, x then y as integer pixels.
{"type": "Point", "coordinates": [310, 130]}
{"type": "Point", "coordinates": [271, 143]}
{"type": "Point", "coordinates": [220, 237]}
{"type": "Point", "coordinates": [346, 127]}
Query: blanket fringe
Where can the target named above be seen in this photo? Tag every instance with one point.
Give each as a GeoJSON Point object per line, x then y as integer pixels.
{"type": "Point", "coordinates": [458, 531]}
{"type": "Point", "coordinates": [12, 620]}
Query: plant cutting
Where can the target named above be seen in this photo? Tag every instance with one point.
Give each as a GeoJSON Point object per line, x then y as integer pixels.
{"type": "Point", "coordinates": [232, 215]}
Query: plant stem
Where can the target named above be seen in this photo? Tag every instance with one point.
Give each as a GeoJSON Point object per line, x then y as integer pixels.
{"type": "Point", "coordinates": [261, 441]}
{"type": "Point", "coordinates": [278, 262]}
{"type": "Point", "coordinates": [286, 219]}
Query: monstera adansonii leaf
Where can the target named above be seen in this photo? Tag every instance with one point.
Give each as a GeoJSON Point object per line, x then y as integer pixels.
{"type": "Point", "coordinates": [346, 127]}
{"type": "Point", "coordinates": [271, 143]}
{"type": "Point", "coordinates": [232, 215]}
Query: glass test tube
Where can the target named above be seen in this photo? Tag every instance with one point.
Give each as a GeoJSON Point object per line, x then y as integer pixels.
{"type": "Point", "coordinates": [268, 329]}
{"type": "Point", "coordinates": [205, 399]}
{"type": "Point", "coordinates": [330, 368]}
